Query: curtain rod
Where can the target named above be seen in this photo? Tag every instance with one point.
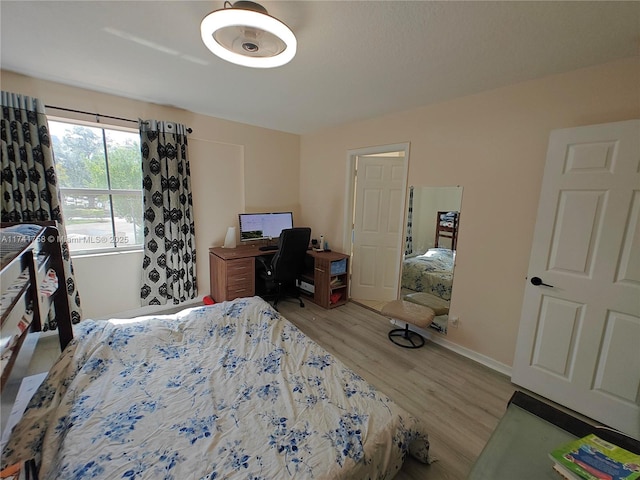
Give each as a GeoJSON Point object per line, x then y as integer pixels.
{"type": "Point", "coordinates": [98, 115]}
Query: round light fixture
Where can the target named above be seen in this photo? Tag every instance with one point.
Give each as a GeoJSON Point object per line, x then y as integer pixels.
{"type": "Point", "coordinates": [245, 34]}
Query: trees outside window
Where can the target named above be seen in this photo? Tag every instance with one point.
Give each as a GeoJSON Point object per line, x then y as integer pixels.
{"type": "Point", "coordinates": [100, 177]}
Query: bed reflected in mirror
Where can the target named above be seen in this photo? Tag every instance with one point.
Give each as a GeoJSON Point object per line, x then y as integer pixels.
{"type": "Point", "coordinates": [433, 221]}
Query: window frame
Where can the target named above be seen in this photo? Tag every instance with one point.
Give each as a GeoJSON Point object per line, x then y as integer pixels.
{"type": "Point", "coordinates": [109, 192]}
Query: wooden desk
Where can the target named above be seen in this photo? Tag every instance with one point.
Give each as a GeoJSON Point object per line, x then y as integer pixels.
{"type": "Point", "coordinates": [232, 274]}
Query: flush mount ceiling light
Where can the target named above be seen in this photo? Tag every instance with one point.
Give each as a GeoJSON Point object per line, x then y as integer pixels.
{"type": "Point", "coordinates": [245, 34]}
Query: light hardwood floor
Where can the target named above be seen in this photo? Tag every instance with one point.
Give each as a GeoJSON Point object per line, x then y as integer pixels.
{"type": "Point", "coordinates": [458, 400]}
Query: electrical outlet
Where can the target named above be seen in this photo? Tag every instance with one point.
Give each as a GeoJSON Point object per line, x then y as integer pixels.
{"type": "Point", "coordinates": [454, 320]}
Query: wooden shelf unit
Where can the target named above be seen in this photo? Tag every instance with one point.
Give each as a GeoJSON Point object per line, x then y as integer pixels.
{"type": "Point", "coordinates": [330, 289]}
{"type": "Point", "coordinates": [446, 231]}
{"type": "Point", "coordinates": [25, 273]}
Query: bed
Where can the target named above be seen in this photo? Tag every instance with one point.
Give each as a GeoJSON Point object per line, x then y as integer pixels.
{"type": "Point", "coordinates": [231, 391]}
{"type": "Point", "coordinates": [430, 272]}
{"type": "Point", "coordinates": [31, 273]}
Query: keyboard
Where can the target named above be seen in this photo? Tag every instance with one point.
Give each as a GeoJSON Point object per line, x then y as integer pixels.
{"type": "Point", "coordinates": [268, 248]}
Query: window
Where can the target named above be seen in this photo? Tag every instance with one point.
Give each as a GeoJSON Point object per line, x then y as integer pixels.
{"type": "Point", "coordinates": [100, 179]}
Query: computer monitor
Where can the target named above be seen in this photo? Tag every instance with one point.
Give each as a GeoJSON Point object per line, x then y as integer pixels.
{"type": "Point", "coordinates": [261, 226]}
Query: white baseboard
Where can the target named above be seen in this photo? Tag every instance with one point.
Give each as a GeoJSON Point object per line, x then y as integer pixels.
{"type": "Point", "coordinates": [475, 356]}
{"type": "Point", "coordinates": [465, 352]}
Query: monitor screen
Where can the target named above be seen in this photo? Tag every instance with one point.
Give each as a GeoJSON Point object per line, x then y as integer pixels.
{"type": "Point", "coordinates": [258, 226]}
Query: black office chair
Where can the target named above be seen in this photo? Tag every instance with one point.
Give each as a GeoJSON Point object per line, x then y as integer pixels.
{"type": "Point", "coordinates": [286, 265]}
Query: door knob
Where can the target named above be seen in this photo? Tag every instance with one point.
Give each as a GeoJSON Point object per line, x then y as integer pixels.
{"type": "Point", "coordinates": [537, 281]}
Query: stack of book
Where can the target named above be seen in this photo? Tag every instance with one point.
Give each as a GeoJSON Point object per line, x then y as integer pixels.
{"type": "Point", "coordinates": [591, 458]}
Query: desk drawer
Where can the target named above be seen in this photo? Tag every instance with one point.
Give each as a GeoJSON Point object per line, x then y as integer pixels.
{"type": "Point", "coordinates": [239, 291]}
{"type": "Point", "coordinates": [240, 272]}
{"type": "Point", "coordinates": [240, 278]}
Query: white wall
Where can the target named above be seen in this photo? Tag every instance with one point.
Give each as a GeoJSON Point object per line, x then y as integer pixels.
{"type": "Point", "coordinates": [108, 283]}
{"type": "Point", "coordinates": [493, 144]}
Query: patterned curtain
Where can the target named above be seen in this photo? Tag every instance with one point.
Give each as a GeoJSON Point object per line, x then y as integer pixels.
{"type": "Point", "coordinates": [408, 248]}
{"type": "Point", "coordinates": [169, 265]}
{"type": "Point", "coordinates": [29, 185]}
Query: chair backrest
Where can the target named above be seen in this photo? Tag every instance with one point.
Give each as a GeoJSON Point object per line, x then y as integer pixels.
{"type": "Point", "coordinates": [288, 261]}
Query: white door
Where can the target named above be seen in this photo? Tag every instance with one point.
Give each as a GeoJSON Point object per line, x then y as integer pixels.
{"type": "Point", "coordinates": [579, 337]}
{"type": "Point", "coordinates": [377, 229]}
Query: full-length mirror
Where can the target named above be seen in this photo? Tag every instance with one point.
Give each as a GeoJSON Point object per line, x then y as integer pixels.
{"type": "Point", "coordinates": [433, 221]}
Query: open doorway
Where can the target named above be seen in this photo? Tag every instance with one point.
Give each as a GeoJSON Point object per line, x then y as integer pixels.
{"type": "Point", "coordinates": [374, 230]}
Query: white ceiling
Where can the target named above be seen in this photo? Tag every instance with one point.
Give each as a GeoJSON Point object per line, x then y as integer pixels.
{"type": "Point", "coordinates": [356, 59]}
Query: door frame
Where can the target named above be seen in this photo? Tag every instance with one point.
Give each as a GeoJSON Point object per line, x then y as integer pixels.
{"type": "Point", "coordinates": [349, 203]}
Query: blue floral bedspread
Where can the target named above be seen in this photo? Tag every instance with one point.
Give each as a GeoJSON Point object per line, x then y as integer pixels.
{"type": "Point", "coordinates": [431, 272]}
{"type": "Point", "coordinates": [229, 391]}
